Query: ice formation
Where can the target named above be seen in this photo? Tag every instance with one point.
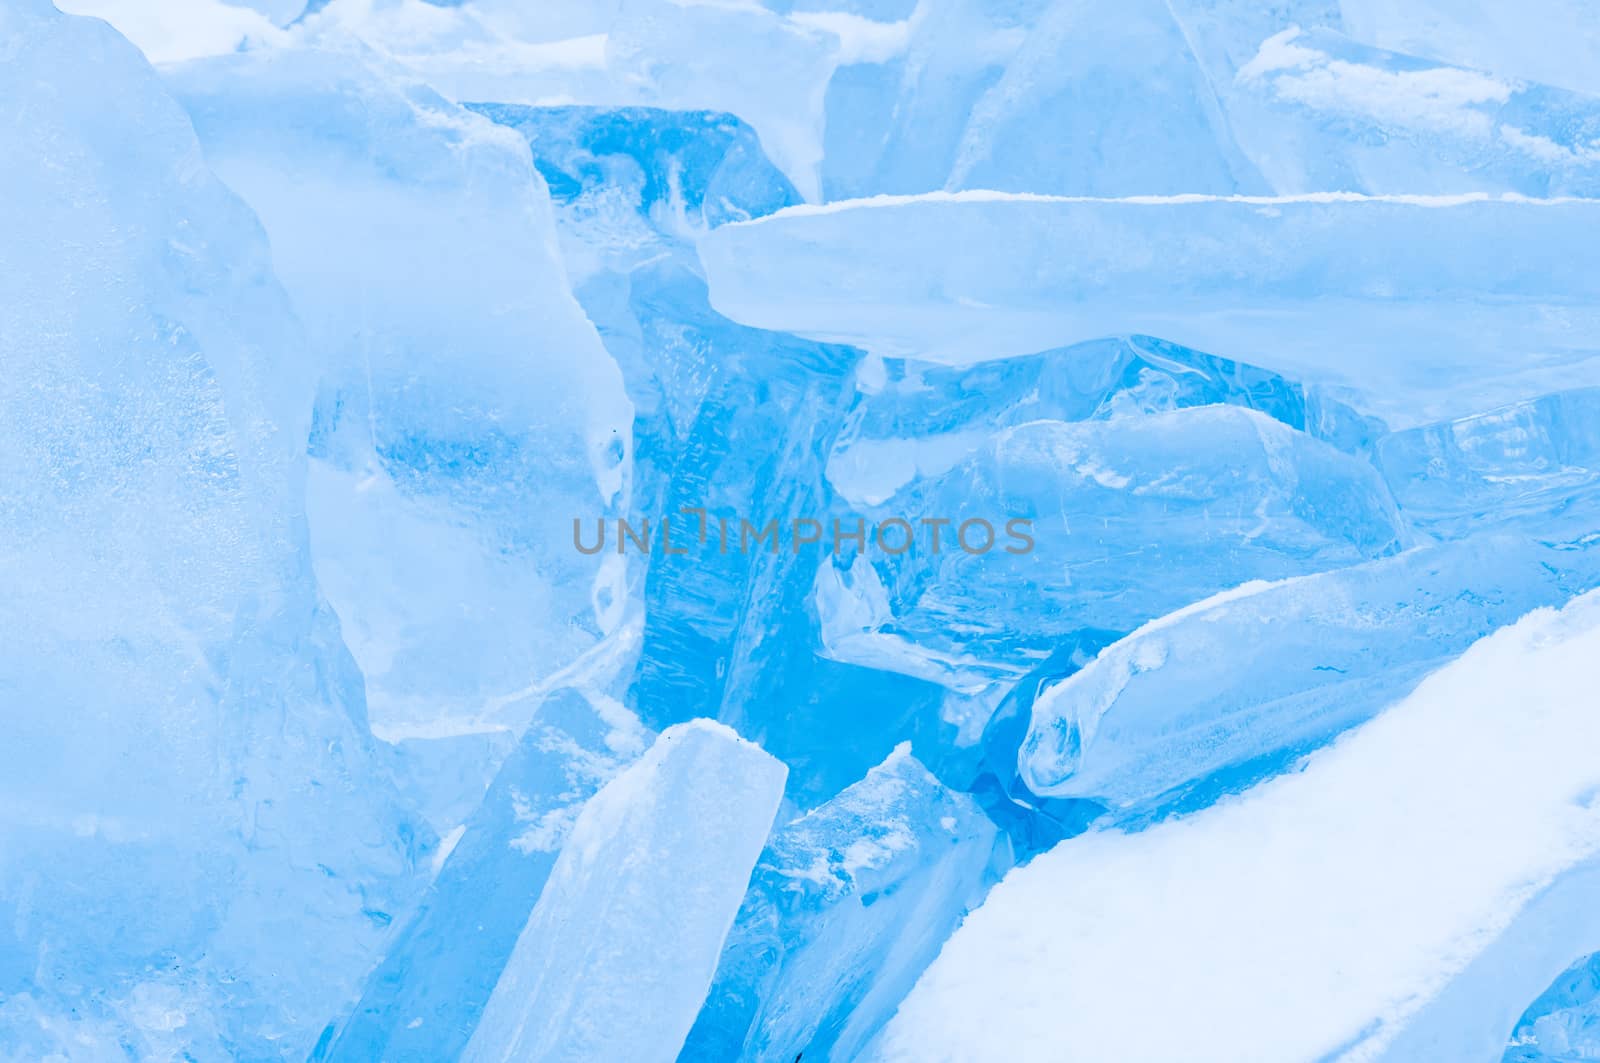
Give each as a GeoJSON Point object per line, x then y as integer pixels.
{"type": "Point", "coordinates": [425, 998]}
{"type": "Point", "coordinates": [848, 903]}
{"type": "Point", "coordinates": [1272, 669]}
{"type": "Point", "coordinates": [1119, 483]}
{"type": "Point", "coordinates": [190, 792]}
{"type": "Point", "coordinates": [1098, 513]}
{"type": "Point", "coordinates": [1533, 463]}
{"type": "Point", "coordinates": [618, 953]}
{"type": "Point", "coordinates": [466, 410]}
{"type": "Point", "coordinates": [1315, 916]}
{"type": "Point", "coordinates": [1408, 303]}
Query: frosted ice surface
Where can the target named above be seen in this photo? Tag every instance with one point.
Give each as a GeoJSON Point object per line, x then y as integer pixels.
{"type": "Point", "coordinates": [1316, 914]}
{"type": "Point", "coordinates": [620, 949]}
{"type": "Point", "coordinates": [1128, 108]}
{"type": "Point", "coordinates": [1317, 111]}
{"type": "Point", "coordinates": [1231, 688]}
{"type": "Point", "coordinates": [1209, 97]}
{"type": "Point", "coordinates": [893, 122]}
{"type": "Point", "coordinates": [188, 29]}
{"type": "Point", "coordinates": [961, 103]}
{"type": "Point", "coordinates": [1556, 42]}
{"type": "Point", "coordinates": [552, 52]}
{"type": "Point", "coordinates": [466, 412]}
{"type": "Point", "coordinates": [771, 68]}
{"type": "Point", "coordinates": [847, 905]}
{"type": "Point", "coordinates": [188, 790]}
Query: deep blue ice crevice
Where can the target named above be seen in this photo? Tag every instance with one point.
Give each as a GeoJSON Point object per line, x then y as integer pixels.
{"type": "Point", "coordinates": [733, 424]}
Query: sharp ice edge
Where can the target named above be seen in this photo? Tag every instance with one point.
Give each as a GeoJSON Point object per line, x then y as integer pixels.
{"type": "Point", "coordinates": [1272, 669]}
{"type": "Point", "coordinates": [985, 195]}
{"type": "Point", "coordinates": [647, 884]}
{"type": "Point", "coordinates": [847, 905]}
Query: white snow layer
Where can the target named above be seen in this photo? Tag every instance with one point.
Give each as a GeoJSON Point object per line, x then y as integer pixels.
{"type": "Point", "coordinates": [1323, 914]}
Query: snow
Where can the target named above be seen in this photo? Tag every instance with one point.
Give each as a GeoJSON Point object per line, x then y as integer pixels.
{"type": "Point", "coordinates": [1551, 41]}
{"type": "Point", "coordinates": [1316, 914]}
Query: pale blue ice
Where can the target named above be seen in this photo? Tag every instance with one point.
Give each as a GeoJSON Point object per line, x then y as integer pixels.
{"type": "Point", "coordinates": [1239, 359]}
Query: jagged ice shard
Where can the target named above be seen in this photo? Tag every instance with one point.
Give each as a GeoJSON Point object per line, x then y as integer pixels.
{"type": "Point", "coordinates": [1270, 670]}
{"type": "Point", "coordinates": [466, 411]}
{"type": "Point", "coordinates": [846, 904]}
{"type": "Point", "coordinates": [790, 530]}
{"type": "Point", "coordinates": [425, 998]}
{"type": "Point", "coordinates": [621, 947]}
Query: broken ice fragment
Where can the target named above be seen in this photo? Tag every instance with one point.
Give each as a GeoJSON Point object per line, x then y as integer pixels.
{"type": "Point", "coordinates": [616, 957]}
{"type": "Point", "coordinates": [467, 411]}
{"type": "Point", "coordinates": [911, 418]}
{"type": "Point", "coordinates": [1257, 675]}
{"type": "Point", "coordinates": [191, 797]}
{"type": "Point", "coordinates": [1132, 516]}
{"type": "Point", "coordinates": [958, 93]}
{"type": "Point", "coordinates": [1409, 302]}
{"type": "Point", "coordinates": [847, 905]}
{"type": "Point", "coordinates": [425, 998]}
